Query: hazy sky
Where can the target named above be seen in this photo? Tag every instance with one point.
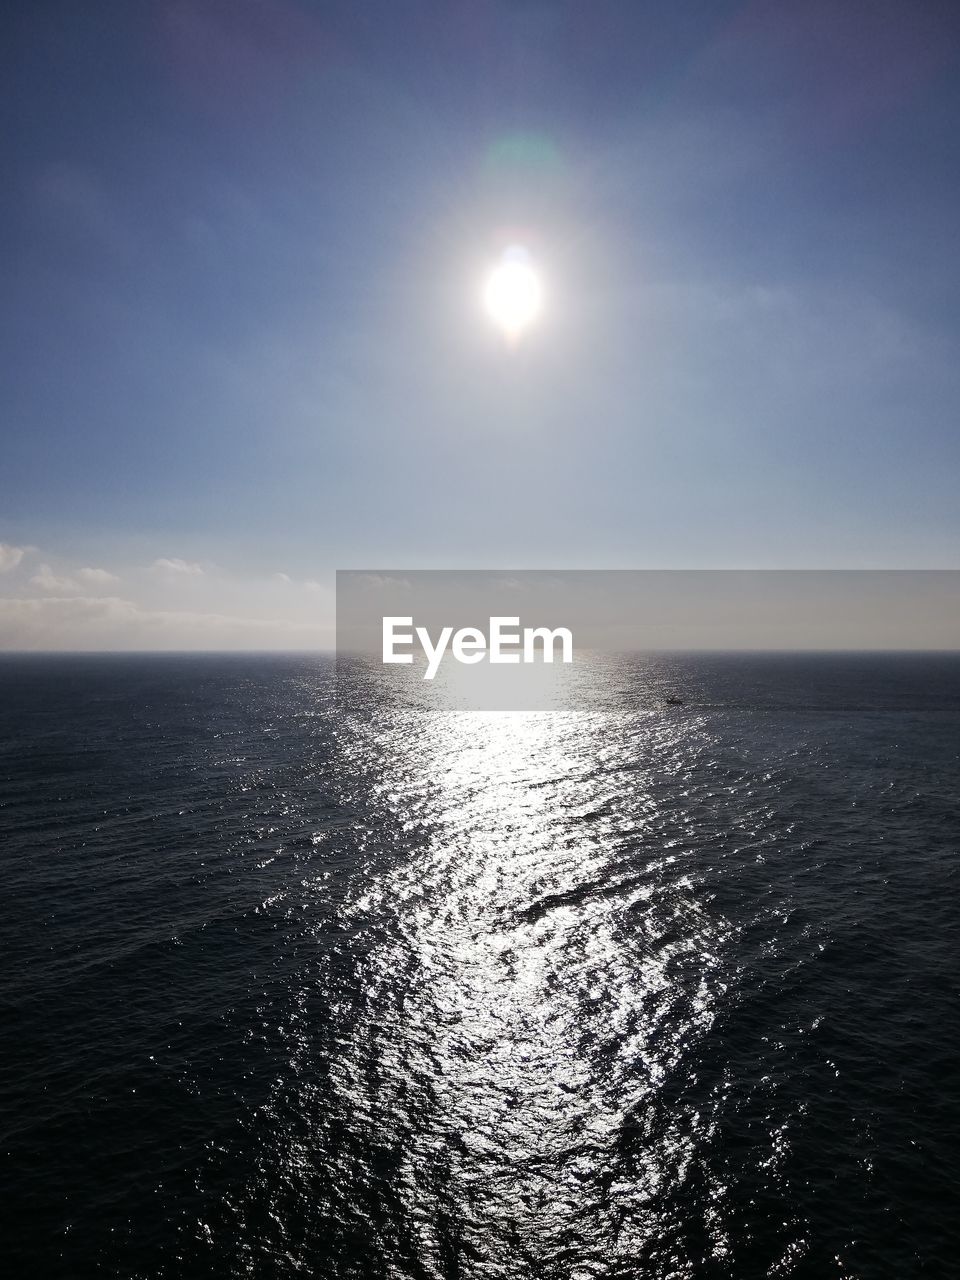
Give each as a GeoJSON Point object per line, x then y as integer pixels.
{"type": "Point", "coordinates": [242, 244]}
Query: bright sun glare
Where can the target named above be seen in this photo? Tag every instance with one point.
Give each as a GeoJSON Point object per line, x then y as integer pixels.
{"type": "Point", "coordinates": [512, 294]}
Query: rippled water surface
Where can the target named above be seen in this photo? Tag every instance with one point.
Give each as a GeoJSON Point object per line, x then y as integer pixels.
{"type": "Point", "coordinates": [372, 991]}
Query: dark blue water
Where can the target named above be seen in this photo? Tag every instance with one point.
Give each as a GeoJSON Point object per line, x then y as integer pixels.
{"type": "Point", "coordinates": [659, 991]}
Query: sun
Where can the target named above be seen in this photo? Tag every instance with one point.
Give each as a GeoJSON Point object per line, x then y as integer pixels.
{"type": "Point", "coordinates": [513, 293]}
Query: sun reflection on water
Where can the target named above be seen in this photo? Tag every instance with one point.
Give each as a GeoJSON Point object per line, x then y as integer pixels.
{"type": "Point", "coordinates": [538, 972]}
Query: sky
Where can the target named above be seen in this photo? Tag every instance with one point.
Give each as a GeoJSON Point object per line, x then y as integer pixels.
{"type": "Point", "coordinates": [243, 245]}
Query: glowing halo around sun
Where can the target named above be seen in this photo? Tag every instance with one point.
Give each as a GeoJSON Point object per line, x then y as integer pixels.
{"type": "Point", "coordinates": [513, 293]}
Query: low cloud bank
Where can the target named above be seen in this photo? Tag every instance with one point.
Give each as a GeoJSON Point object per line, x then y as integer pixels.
{"type": "Point", "coordinates": [65, 623]}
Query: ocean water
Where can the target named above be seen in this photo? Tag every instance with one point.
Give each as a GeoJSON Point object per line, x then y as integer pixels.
{"type": "Point", "coordinates": [293, 988]}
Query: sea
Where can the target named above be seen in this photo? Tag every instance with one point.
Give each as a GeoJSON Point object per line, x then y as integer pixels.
{"type": "Point", "coordinates": [295, 984]}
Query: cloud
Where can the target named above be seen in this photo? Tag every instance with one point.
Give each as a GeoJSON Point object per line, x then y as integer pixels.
{"type": "Point", "coordinates": [47, 580]}
{"type": "Point", "coordinates": [10, 556]}
{"type": "Point", "coordinates": [97, 577]}
{"type": "Point", "coordinates": [376, 581]}
{"type": "Point", "coordinates": [305, 584]}
{"type": "Point", "coordinates": [110, 622]}
{"type": "Point", "coordinates": [175, 604]}
{"type": "Point", "coordinates": [176, 565]}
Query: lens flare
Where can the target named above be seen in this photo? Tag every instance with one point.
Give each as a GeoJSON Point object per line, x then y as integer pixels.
{"type": "Point", "coordinates": [513, 293]}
